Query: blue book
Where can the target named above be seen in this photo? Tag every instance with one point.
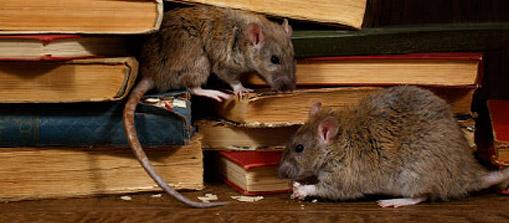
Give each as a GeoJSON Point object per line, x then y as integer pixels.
{"type": "Point", "coordinates": [161, 120]}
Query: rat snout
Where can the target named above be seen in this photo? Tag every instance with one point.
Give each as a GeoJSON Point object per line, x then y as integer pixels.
{"type": "Point", "coordinates": [286, 170]}
{"type": "Point", "coordinates": [283, 83]}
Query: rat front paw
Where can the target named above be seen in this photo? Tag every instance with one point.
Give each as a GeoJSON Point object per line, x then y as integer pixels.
{"type": "Point", "coordinates": [241, 92]}
{"type": "Point", "coordinates": [302, 191]}
{"type": "Point", "coordinates": [239, 89]}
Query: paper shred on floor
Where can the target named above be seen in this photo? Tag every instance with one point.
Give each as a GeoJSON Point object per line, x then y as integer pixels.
{"type": "Point", "coordinates": [126, 198]}
{"type": "Point", "coordinates": [247, 198]}
{"type": "Point", "coordinates": [208, 197]}
{"type": "Point", "coordinates": [156, 196]}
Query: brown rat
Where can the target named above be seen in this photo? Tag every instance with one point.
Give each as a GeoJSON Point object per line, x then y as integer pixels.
{"type": "Point", "coordinates": [196, 41]}
{"type": "Point", "coordinates": [401, 141]}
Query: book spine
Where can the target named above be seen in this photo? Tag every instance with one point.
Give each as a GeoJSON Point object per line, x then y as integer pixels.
{"type": "Point", "coordinates": [70, 128]}
{"type": "Point", "coordinates": [401, 40]}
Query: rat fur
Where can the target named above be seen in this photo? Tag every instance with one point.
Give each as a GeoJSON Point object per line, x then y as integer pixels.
{"type": "Point", "coordinates": [196, 41]}
{"type": "Point", "coordinates": [401, 141]}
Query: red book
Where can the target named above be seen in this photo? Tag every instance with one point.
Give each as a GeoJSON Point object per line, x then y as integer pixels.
{"type": "Point", "coordinates": [61, 47]}
{"type": "Point", "coordinates": [500, 128]}
{"type": "Point", "coordinates": [430, 69]}
{"type": "Point", "coordinates": [492, 136]}
{"type": "Point", "coordinates": [252, 172]}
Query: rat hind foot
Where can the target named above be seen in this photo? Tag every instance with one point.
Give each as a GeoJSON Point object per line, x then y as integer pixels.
{"type": "Point", "coordinates": [214, 94]}
{"type": "Point", "coordinates": [400, 202]}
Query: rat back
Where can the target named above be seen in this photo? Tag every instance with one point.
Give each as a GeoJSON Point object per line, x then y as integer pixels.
{"type": "Point", "coordinates": [174, 57]}
{"type": "Point", "coordinates": [196, 41]}
{"type": "Point", "coordinates": [416, 145]}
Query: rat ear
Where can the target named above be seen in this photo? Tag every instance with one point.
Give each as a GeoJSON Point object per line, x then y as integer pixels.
{"type": "Point", "coordinates": [315, 108]}
{"type": "Point", "coordinates": [288, 29]}
{"type": "Point", "coordinates": [327, 130]}
{"type": "Point", "coordinates": [255, 34]}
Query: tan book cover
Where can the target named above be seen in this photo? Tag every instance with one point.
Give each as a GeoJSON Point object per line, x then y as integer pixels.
{"type": "Point", "coordinates": [341, 12]}
{"type": "Point", "coordinates": [63, 172]}
{"type": "Point", "coordinates": [62, 46]}
{"type": "Point", "coordinates": [221, 134]}
{"type": "Point", "coordinates": [431, 69]}
{"type": "Point", "coordinates": [101, 79]}
{"type": "Point", "coordinates": [80, 16]}
{"type": "Point", "coordinates": [293, 107]}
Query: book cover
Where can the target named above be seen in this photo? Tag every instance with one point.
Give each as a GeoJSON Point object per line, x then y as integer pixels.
{"type": "Point", "coordinates": [252, 172]}
{"type": "Point", "coordinates": [29, 173]}
{"type": "Point", "coordinates": [80, 16]}
{"type": "Point", "coordinates": [61, 47]}
{"type": "Point", "coordinates": [500, 130]}
{"type": "Point", "coordinates": [424, 69]}
{"type": "Point", "coordinates": [351, 11]}
{"type": "Point", "coordinates": [293, 107]}
{"type": "Point", "coordinates": [455, 37]}
{"type": "Point", "coordinates": [82, 80]}
{"type": "Point", "coordinates": [160, 120]}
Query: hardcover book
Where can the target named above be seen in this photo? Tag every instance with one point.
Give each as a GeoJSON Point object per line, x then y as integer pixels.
{"type": "Point", "coordinates": [231, 136]}
{"type": "Point", "coordinates": [454, 37]}
{"type": "Point", "coordinates": [28, 173]}
{"type": "Point", "coordinates": [252, 173]}
{"type": "Point", "coordinates": [293, 107]}
{"type": "Point", "coordinates": [161, 120]}
{"type": "Point", "coordinates": [345, 12]}
{"type": "Point", "coordinates": [61, 47]}
{"type": "Point", "coordinates": [222, 134]}
{"type": "Point", "coordinates": [85, 80]}
{"type": "Point", "coordinates": [80, 16]}
{"type": "Point", "coordinates": [432, 69]}
{"type": "Point", "coordinates": [500, 130]}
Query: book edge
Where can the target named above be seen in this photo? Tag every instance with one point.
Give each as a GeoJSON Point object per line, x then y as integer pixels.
{"type": "Point", "coordinates": [156, 26]}
{"type": "Point", "coordinates": [352, 23]}
{"type": "Point", "coordinates": [129, 79]}
{"type": "Point", "coordinates": [252, 193]}
{"type": "Point", "coordinates": [247, 166]}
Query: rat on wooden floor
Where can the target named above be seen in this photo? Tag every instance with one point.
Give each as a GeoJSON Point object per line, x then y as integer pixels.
{"type": "Point", "coordinates": [194, 42]}
{"type": "Point", "coordinates": [401, 141]}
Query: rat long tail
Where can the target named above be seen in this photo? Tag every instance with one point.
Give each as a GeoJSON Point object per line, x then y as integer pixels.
{"type": "Point", "coordinates": [495, 177]}
{"type": "Point", "coordinates": [135, 96]}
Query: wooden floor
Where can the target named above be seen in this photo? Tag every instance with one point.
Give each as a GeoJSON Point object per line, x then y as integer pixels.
{"type": "Point", "coordinates": [484, 207]}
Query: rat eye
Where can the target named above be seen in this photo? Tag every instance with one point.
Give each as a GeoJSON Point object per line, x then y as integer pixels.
{"type": "Point", "coordinates": [299, 148]}
{"type": "Point", "coordinates": [274, 59]}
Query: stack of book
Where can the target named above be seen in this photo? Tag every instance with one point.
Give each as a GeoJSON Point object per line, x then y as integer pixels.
{"type": "Point", "coordinates": [65, 71]}
{"type": "Point", "coordinates": [265, 119]}
{"type": "Point", "coordinates": [340, 82]}
{"type": "Point", "coordinates": [250, 136]}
